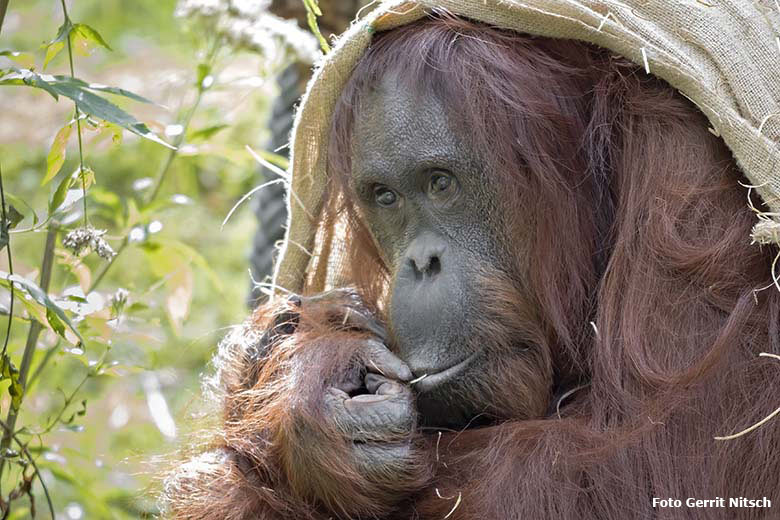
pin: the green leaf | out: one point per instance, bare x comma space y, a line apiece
87, 101
54, 47
312, 21
25, 59
104, 109
52, 50
55, 322
312, 12
184, 251
206, 133
55, 316
20, 202
57, 153
62, 190
99, 107
76, 82
84, 39
8, 372
13, 217
85, 177
311, 6
29, 78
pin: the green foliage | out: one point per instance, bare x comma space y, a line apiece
312, 12
119, 277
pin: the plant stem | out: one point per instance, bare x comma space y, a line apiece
32, 338
78, 122
10, 432
10, 264
175, 150
107, 265
68, 401
3, 8
185, 124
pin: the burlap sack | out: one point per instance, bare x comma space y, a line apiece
722, 54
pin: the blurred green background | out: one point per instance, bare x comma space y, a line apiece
102, 420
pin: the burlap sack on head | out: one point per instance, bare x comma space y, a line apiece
724, 55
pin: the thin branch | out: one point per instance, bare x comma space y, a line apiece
10, 261
32, 336
78, 122
67, 403
173, 152
107, 265
26, 452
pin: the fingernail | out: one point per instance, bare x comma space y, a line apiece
368, 398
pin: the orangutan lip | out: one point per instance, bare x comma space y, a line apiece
428, 382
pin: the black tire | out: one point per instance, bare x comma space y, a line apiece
270, 203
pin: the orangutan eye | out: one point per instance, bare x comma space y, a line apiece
441, 183
384, 196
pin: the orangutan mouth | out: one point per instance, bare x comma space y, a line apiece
427, 382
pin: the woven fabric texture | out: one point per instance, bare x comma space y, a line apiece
724, 55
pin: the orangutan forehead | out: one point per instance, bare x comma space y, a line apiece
399, 131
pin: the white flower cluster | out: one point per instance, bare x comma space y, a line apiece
205, 8
247, 24
88, 238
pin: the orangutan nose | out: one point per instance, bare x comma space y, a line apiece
424, 257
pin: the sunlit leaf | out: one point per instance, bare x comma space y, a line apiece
78, 83
25, 59
57, 153
311, 6
206, 133
52, 50
55, 46
104, 109
86, 177
179, 250
29, 78
87, 101
84, 39
55, 316
55, 322
106, 130
312, 12
8, 372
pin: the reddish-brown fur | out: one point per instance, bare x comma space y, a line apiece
635, 222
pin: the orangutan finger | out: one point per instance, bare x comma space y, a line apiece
379, 360
370, 417
381, 385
